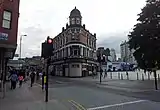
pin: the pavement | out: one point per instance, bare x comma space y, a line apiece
27, 98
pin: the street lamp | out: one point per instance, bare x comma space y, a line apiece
20, 47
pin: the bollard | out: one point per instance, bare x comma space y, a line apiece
121, 76
137, 77
142, 77
111, 75
148, 76
118, 75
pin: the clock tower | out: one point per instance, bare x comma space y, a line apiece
75, 17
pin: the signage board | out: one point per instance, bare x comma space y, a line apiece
3, 36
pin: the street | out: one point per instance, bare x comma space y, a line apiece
77, 94
95, 97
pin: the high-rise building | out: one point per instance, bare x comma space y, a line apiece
74, 49
126, 53
113, 55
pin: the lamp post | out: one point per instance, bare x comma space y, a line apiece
20, 47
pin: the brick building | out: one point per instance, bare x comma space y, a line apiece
9, 13
74, 49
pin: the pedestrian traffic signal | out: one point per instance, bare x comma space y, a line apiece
47, 48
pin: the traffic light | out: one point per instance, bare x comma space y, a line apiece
49, 40
104, 58
47, 48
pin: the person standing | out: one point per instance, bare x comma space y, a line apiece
32, 76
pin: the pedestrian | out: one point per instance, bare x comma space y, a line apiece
105, 73
14, 79
32, 76
20, 80
43, 74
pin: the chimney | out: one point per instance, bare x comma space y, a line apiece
84, 26
94, 34
67, 25
62, 29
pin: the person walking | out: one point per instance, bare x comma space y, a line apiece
105, 73
14, 79
20, 80
32, 76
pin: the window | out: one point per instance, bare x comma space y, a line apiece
73, 30
75, 66
77, 30
73, 21
6, 20
66, 39
84, 52
75, 52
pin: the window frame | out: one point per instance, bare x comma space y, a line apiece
6, 20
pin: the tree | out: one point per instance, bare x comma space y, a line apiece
107, 52
145, 37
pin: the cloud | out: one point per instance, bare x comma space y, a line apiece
110, 19
31, 44
112, 40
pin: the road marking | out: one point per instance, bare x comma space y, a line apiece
114, 105
38, 84
77, 105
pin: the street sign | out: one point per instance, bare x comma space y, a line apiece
3, 36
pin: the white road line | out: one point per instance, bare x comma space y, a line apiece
113, 105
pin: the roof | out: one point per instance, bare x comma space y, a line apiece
75, 13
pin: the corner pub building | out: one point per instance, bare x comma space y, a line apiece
74, 53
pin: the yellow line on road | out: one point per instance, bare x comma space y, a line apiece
77, 105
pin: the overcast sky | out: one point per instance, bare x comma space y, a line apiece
111, 20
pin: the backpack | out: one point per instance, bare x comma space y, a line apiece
14, 77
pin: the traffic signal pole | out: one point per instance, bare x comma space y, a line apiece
100, 78
46, 84
155, 81
47, 52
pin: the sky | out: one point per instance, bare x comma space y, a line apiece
111, 20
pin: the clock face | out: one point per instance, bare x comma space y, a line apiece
73, 20
77, 20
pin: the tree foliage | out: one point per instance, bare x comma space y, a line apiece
145, 36
107, 52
